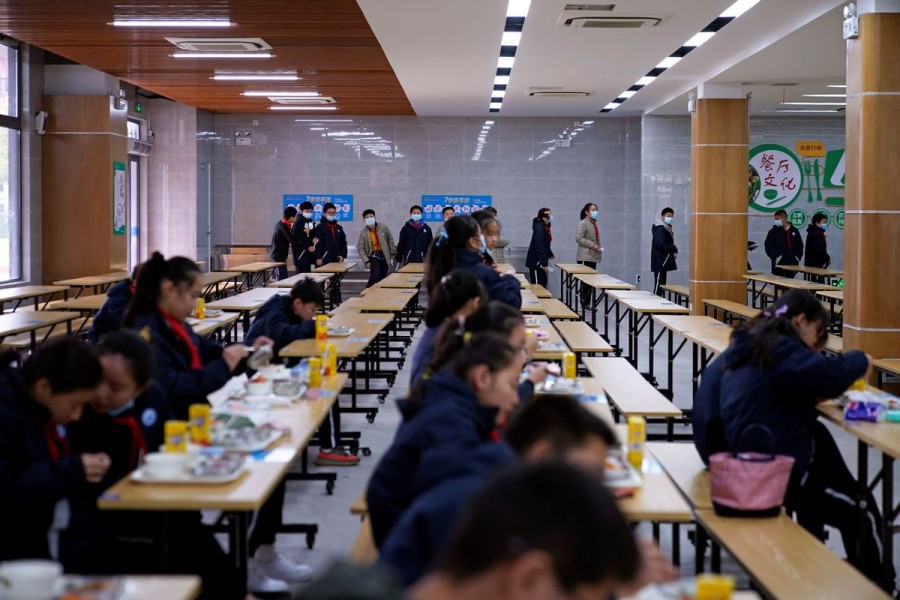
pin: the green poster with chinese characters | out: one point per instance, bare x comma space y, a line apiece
118, 204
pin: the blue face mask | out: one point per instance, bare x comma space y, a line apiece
416, 217
307, 215
594, 214
549, 218
823, 225
118, 411
668, 220
331, 218
370, 221
777, 222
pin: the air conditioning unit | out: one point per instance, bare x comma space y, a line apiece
219, 44
300, 101
140, 148
601, 19
556, 92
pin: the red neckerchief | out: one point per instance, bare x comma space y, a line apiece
596, 233
138, 445
131, 288
333, 228
56, 444
181, 333
415, 224
286, 222
787, 232
547, 229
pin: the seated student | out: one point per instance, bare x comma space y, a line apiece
776, 377
284, 319
457, 296
112, 313
125, 420
458, 408
460, 245
536, 531
188, 369
38, 472
415, 238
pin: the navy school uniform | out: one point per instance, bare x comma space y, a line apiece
448, 417
112, 313
816, 248
332, 241
37, 471
303, 257
281, 242
414, 242
663, 249
708, 428
276, 320
539, 252
784, 247
504, 288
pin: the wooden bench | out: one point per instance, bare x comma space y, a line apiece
582, 339
679, 294
364, 551
538, 290
834, 345
22, 341
555, 309
729, 309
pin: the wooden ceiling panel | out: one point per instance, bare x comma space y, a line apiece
327, 42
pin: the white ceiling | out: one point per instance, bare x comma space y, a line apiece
445, 53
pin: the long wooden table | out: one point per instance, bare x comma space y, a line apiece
413, 268
222, 326
247, 302
290, 281
552, 347
581, 339
890, 366
248, 493
99, 283
810, 272
567, 271
31, 321
215, 283
599, 285
339, 270
556, 310
148, 587
640, 311
86, 304
708, 337
779, 284
255, 272
21, 293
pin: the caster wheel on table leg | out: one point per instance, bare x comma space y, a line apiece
370, 417
367, 452
310, 540
329, 488
382, 398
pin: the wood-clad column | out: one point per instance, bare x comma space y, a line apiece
719, 144
872, 220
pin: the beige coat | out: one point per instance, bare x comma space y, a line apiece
586, 240
385, 238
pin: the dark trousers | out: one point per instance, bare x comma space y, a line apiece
378, 268
281, 273
330, 430
659, 280
586, 290
303, 268
268, 520
783, 273
828, 496
538, 275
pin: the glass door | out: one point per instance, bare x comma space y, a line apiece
134, 213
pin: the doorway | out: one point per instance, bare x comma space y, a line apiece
133, 215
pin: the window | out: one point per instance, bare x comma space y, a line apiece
10, 129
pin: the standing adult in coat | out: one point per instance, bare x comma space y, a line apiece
664, 250
539, 252
817, 245
784, 245
587, 236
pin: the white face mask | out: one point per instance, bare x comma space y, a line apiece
416, 217
778, 223
370, 221
668, 220
307, 215
594, 214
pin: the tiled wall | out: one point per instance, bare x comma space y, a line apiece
206, 155
515, 163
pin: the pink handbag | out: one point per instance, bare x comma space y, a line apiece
749, 484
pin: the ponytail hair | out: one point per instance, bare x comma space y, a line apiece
775, 322
178, 269
453, 291
441, 257
585, 211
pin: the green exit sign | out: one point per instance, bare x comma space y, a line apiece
138, 107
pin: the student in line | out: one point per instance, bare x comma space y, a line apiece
502, 242
39, 474
589, 253
490, 228
460, 245
536, 531
817, 245
284, 319
304, 246
376, 248
458, 409
663, 250
189, 368
537, 261
447, 213
112, 313
457, 296
415, 238
331, 244
784, 245
282, 242
775, 377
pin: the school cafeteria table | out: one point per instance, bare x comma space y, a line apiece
30, 292
99, 283
810, 272
531, 303
834, 297
31, 321
339, 270
255, 272
223, 326
582, 339
889, 366
386, 300
708, 337
779, 284
567, 281
612, 303
556, 310
86, 304
140, 587
216, 283
538, 290
290, 281
599, 284
249, 492
412, 268
551, 347
640, 311
246, 302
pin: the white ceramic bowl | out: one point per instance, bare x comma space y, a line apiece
259, 388
30, 579
275, 372
164, 465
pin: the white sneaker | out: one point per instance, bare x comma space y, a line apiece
259, 581
282, 569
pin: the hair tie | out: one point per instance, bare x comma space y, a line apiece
467, 337
461, 326
441, 237
781, 311
767, 314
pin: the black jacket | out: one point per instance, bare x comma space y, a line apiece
780, 250
448, 417
32, 480
181, 384
783, 397
281, 242
816, 248
706, 421
112, 313
539, 252
302, 241
663, 249
414, 242
332, 241
276, 320
504, 288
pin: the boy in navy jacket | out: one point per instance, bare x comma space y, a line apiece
415, 238
331, 244
303, 246
784, 245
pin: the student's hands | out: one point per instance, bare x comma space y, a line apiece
95, 466
366, 266
318, 262
537, 373
311, 248
340, 259
234, 354
655, 568
263, 341
531, 344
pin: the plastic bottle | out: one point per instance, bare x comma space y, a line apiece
637, 435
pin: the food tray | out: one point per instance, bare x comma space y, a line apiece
532, 322
561, 385
619, 474
340, 332
140, 476
245, 446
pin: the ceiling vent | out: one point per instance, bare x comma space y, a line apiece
607, 22
219, 44
301, 101
589, 7
140, 148
556, 92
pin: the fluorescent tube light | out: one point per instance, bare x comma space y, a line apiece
739, 8
668, 62
511, 38
505, 62
834, 85
814, 103
255, 77
496, 104
699, 39
798, 110
171, 23
611, 105
646, 80
501, 80
303, 108
824, 95
498, 93
518, 8
281, 94
627, 94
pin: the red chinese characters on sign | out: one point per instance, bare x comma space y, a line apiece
767, 161
788, 184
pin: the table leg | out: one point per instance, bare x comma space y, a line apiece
651, 346
862, 474
632, 338
695, 371
889, 514
700, 540
237, 543
670, 378
676, 544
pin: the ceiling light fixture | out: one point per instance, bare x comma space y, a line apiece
699, 39
301, 107
501, 80
627, 94
645, 80
799, 110
518, 8
516, 11
505, 62
496, 105
511, 38
255, 77
835, 85
611, 105
739, 8
222, 55
171, 23
814, 103
282, 94
669, 61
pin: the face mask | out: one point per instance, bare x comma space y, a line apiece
484, 247
777, 222
549, 218
594, 214
331, 218
370, 221
307, 215
823, 225
668, 220
416, 217
118, 411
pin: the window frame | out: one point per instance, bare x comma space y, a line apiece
16, 254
